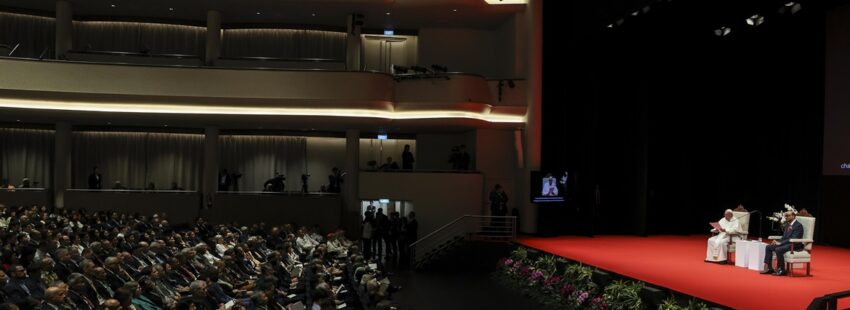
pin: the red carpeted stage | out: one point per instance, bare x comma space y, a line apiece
676, 262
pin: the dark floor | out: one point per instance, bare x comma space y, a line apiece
448, 291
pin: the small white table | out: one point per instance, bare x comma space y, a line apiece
742, 252
755, 255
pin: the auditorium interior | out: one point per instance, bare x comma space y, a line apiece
424, 154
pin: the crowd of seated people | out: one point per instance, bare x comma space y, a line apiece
77, 260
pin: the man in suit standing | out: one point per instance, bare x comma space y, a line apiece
94, 179
224, 181
793, 230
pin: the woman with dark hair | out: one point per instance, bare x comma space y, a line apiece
125, 298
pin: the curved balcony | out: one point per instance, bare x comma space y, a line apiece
75, 89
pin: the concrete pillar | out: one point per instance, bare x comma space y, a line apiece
213, 50
533, 120
353, 46
64, 28
351, 188
210, 175
61, 163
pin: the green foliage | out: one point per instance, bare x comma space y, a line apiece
672, 304
622, 294
579, 276
520, 254
546, 264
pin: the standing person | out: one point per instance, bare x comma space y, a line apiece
382, 224
465, 159
393, 230
94, 179
224, 181
366, 235
411, 234
498, 203
407, 158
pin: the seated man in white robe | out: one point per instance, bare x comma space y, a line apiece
549, 187
719, 244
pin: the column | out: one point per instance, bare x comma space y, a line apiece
210, 175
351, 188
533, 120
64, 28
353, 44
61, 163
213, 50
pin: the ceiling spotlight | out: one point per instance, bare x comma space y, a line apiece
791, 7
112, 5
620, 22
314, 14
722, 31
171, 9
454, 10
388, 13
635, 13
645, 9
610, 26
258, 13
755, 20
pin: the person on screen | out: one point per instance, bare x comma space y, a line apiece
550, 189
94, 179
718, 246
562, 182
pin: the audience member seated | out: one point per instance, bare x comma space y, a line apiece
76, 260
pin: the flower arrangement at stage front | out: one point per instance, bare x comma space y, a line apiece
779, 217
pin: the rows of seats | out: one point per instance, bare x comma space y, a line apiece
77, 260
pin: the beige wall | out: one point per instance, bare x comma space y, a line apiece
322, 155
491, 53
276, 209
497, 160
434, 149
180, 207
439, 197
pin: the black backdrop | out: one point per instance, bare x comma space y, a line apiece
674, 124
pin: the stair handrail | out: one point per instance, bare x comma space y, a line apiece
438, 230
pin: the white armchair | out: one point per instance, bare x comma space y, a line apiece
797, 255
744, 220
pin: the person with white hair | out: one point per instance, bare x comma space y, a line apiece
718, 245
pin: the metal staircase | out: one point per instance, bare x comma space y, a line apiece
500, 229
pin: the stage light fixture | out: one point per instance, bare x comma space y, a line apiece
755, 20
620, 22
646, 9
791, 7
722, 31
610, 26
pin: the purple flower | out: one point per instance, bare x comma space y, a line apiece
567, 289
582, 297
508, 262
552, 280
524, 271
597, 303
536, 275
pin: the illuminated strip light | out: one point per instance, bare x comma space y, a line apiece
219, 110
494, 2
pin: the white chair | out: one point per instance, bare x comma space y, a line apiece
797, 255
744, 220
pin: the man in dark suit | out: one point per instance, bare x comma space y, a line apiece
94, 179
21, 290
224, 181
793, 230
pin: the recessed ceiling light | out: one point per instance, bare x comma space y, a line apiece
454, 10
166, 125
109, 123
17, 120
171, 9
258, 13
388, 13
314, 14
112, 5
